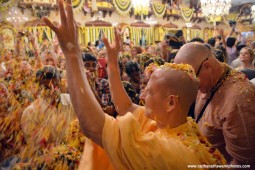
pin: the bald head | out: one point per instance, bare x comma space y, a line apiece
192, 53
174, 80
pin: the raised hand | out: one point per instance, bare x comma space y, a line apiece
67, 31
114, 48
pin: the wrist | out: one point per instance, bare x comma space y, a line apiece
112, 62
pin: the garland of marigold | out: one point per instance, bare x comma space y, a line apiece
91, 33
141, 10
159, 9
123, 7
187, 13
77, 5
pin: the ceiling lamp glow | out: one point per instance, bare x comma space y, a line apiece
141, 7
214, 8
253, 11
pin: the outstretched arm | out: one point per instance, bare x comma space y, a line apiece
38, 60
87, 109
121, 100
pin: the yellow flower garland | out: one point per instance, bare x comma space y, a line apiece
77, 5
141, 10
123, 7
159, 9
187, 13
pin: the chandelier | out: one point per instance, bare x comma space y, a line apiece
15, 17
141, 7
253, 11
214, 8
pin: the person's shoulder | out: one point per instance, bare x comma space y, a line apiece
139, 110
236, 63
253, 81
238, 85
32, 106
250, 73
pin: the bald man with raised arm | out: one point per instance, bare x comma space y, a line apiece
224, 109
175, 144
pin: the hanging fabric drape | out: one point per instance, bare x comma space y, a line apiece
196, 33
159, 33
208, 33
137, 32
92, 33
41, 30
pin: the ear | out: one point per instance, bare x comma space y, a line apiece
207, 66
173, 102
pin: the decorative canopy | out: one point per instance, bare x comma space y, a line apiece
170, 25
139, 24
98, 23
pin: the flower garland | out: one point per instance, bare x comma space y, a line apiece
123, 7
159, 9
213, 19
187, 13
77, 5
141, 10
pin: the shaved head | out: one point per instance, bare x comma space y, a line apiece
192, 53
177, 82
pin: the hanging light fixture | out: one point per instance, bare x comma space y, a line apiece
214, 8
141, 7
253, 11
15, 17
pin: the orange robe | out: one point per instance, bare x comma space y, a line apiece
133, 142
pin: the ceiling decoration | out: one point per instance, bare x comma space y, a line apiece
158, 9
123, 7
214, 8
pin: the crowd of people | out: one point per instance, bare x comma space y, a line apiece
121, 106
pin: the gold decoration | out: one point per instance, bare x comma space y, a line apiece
231, 16
213, 19
77, 5
141, 9
159, 9
123, 7
136, 33
92, 33
187, 13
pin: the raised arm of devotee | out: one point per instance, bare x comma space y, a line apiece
221, 33
87, 109
164, 50
38, 60
121, 100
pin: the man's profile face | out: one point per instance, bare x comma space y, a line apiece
153, 97
202, 73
